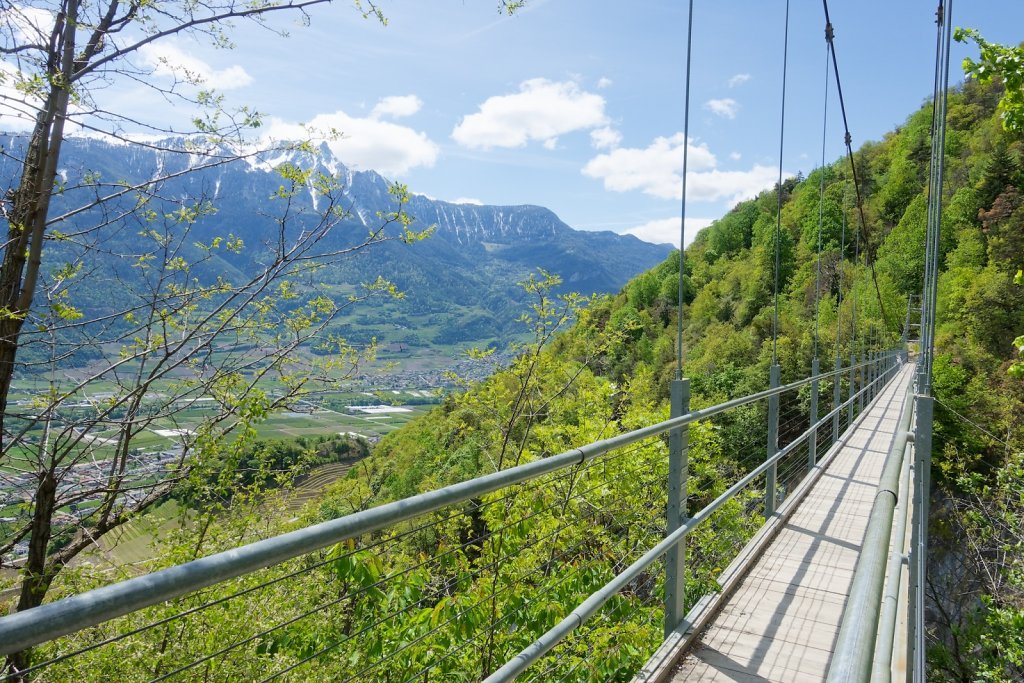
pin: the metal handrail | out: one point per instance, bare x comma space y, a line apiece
31, 627
592, 604
881, 668
854, 652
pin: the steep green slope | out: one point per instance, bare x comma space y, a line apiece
617, 360
479, 582
730, 271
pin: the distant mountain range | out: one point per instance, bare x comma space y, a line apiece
463, 278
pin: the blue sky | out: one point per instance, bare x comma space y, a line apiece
577, 105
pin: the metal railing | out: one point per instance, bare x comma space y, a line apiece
873, 375
868, 646
455, 582
854, 654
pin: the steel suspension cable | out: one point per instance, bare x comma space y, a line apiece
682, 207
848, 140
821, 204
853, 287
932, 175
778, 222
935, 228
839, 267
1002, 442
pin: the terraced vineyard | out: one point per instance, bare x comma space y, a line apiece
312, 485
132, 542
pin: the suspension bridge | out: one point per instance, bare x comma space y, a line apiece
807, 563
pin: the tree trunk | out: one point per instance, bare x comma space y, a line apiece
37, 576
19, 270
12, 268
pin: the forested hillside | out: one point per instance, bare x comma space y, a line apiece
601, 366
729, 303
618, 359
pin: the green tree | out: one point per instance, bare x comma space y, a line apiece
1005, 63
901, 255
1017, 368
186, 327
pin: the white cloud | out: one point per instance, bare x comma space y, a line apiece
739, 79
169, 61
541, 110
550, 143
17, 111
397, 106
364, 143
726, 107
603, 83
605, 138
468, 200
735, 156
654, 170
30, 24
666, 230
732, 186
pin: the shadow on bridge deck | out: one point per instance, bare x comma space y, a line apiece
782, 621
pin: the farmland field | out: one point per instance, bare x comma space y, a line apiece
403, 382
133, 543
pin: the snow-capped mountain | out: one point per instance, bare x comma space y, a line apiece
473, 259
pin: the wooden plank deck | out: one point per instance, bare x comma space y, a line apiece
782, 622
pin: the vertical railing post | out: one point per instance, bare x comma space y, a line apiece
876, 372
853, 389
866, 387
812, 441
863, 383
872, 373
837, 398
880, 368
775, 375
924, 410
678, 472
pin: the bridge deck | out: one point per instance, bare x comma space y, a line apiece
782, 622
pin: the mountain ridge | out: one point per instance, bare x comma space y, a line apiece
472, 261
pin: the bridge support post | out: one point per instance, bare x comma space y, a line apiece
863, 383
866, 388
881, 369
678, 472
879, 359
774, 378
925, 411
812, 440
837, 398
872, 375
853, 389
